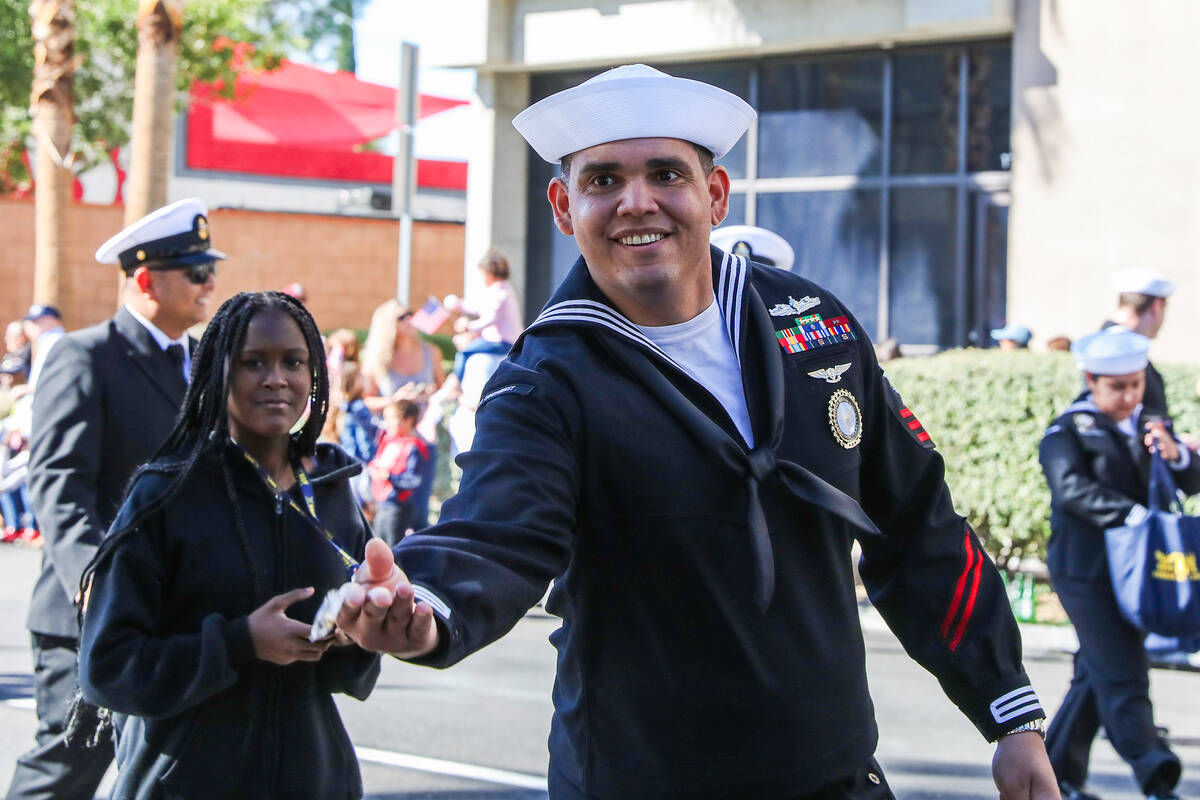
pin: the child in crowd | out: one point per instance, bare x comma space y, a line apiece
490, 319
402, 465
356, 430
340, 346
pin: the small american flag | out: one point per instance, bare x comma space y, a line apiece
429, 317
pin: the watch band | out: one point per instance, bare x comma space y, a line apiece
1036, 725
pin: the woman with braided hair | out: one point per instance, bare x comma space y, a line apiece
198, 604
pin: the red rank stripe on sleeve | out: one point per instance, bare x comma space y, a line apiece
971, 573
914, 425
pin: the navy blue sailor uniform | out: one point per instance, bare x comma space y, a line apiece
710, 643
1099, 477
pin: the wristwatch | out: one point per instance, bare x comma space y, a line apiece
1036, 725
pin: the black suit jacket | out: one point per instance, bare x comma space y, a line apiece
107, 398
1097, 475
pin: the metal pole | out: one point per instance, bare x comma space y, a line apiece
404, 168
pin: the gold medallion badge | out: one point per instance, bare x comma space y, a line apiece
202, 227
845, 419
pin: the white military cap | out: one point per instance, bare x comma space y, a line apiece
172, 235
1116, 350
634, 102
1142, 281
757, 244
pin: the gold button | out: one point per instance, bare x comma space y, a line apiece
141, 255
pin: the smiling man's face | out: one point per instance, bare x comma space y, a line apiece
641, 211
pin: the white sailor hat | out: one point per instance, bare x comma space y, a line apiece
756, 244
173, 235
1142, 281
1116, 350
634, 102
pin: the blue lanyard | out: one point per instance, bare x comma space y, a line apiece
309, 500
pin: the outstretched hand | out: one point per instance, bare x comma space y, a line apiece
1022, 769
379, 611
278, 638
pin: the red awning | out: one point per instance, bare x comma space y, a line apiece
302, 122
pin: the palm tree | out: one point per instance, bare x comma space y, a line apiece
159, 25
53, 103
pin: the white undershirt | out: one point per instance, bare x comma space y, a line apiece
702, 347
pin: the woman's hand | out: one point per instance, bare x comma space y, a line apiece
1157, 434
280, 639
417, 392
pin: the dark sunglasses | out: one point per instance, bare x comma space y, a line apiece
197, 273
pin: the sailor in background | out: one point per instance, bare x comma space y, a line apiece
106, 399
1096, 459
755, 244
1012, 337
1142, 307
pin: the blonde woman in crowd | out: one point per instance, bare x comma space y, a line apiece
396, 362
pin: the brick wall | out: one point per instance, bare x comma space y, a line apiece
347, 264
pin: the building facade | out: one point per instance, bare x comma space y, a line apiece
944, 166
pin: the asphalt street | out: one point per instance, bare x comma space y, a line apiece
478, 731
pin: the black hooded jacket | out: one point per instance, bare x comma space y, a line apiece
166, 642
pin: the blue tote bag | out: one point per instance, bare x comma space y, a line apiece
1153, 564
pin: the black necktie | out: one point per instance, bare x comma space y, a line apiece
175, 353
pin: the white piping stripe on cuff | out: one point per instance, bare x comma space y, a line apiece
1013, 713
426, 595
1014, 704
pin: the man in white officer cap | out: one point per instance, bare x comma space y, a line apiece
756, 244
1096, 460
106, 399
686, 443
1142, 307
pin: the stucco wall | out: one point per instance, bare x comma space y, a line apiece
548, 32
1106, 171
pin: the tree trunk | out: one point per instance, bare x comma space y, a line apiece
53, 102
159, 23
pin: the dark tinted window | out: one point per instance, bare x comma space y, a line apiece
989, 107
820, 117
925, 113
836, 239
923, 278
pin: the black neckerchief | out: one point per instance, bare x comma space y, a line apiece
578, 302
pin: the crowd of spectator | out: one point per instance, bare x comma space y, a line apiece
26, 343
388, 396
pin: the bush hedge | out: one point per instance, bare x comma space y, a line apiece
986, 411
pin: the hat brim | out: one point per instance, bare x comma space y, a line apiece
187, 259
634, 108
